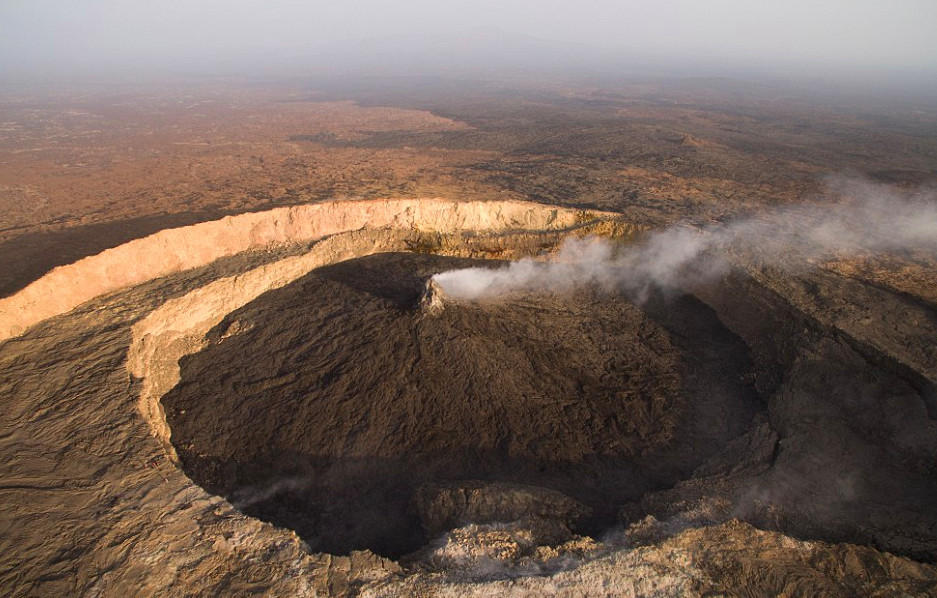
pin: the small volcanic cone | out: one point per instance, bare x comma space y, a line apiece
433, 300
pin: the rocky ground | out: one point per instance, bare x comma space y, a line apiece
297, 420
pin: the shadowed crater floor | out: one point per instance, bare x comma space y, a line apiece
326, 405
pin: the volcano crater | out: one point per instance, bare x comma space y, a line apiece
330, 405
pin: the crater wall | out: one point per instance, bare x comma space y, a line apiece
178, 328
178, 249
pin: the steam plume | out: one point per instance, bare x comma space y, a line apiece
853, 218
249, 496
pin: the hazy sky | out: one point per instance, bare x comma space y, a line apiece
53, 36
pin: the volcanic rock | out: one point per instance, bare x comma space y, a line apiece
295, 399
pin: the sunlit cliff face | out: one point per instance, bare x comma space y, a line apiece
188, 247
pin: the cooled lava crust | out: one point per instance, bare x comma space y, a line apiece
325, 406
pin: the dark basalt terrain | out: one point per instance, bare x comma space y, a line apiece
339, 400
343, 398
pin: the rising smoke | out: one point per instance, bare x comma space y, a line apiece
252, 495
854, 218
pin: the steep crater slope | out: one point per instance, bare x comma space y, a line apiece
848, 451
842, 447
326, 406
174, 250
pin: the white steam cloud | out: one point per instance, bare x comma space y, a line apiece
854, 218
251, 495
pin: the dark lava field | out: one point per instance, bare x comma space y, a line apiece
346, 398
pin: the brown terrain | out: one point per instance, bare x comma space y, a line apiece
271, 397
